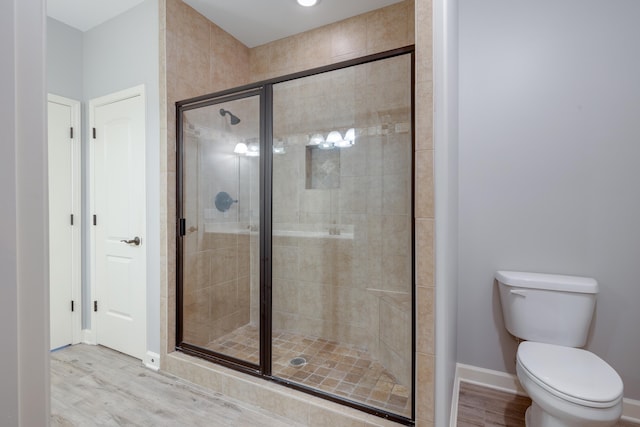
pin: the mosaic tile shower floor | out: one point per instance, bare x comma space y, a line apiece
330, 366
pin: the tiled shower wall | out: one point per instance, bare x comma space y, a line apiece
352, 287
216, 274
424, 216
197, 57
216, 297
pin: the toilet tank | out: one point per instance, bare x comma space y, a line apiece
547, 308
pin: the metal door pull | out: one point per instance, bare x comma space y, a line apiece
135, 241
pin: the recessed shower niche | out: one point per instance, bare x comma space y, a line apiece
322, 168
295, 248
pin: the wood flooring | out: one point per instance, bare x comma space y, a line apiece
96, 386
485, 407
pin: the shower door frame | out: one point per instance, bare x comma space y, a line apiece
192, 104
265, 90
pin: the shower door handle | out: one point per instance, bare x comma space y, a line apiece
135, 241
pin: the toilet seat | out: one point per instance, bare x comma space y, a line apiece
572, 374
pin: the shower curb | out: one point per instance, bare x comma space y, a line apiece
294, 405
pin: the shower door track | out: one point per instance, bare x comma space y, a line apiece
263, 369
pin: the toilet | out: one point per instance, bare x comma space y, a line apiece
568, 386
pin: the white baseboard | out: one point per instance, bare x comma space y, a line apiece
88, 337
152, 360
631, 410
509, 383
488, 378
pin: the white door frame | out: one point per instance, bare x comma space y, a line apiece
76, 210
97, 102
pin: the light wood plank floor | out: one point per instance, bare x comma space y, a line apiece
484, 407
96, 386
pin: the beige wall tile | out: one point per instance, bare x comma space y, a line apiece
424, 423
349, 38
223, 265
388, 28
425, 320
286, 294
313, 49
319, 417
424, 45
259, 62
224, 300
396, 194
228, 60
285, 262
397, 232
424, 115
373, 32
424, 202
293, 408
194, 28
424, 387
395, 336
424, 252
396, 272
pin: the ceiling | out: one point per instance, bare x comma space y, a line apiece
86, 14
253, 22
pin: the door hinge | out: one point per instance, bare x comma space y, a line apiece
94, 133
71, 219
95, 220
95, 306
71, 132
72, 306
182, 227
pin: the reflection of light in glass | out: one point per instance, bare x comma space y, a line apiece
253, 149
316, 139
334, 137
279, 147
307, 3
338, 141
326, 145
241, 148
350, 136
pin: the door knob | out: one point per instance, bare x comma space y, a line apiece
135, 241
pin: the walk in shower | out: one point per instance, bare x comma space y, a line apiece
295, 248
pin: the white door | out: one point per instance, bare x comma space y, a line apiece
64, 220
118, 197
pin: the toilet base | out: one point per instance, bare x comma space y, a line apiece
536, 417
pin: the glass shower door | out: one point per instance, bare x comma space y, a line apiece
341, 241
220, 245
295, 253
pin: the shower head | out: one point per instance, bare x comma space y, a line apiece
234, 119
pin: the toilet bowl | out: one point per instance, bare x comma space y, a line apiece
569, 387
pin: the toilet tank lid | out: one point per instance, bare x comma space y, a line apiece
552, 282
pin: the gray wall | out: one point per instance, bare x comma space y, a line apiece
118, 54
549, 176
64, 60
